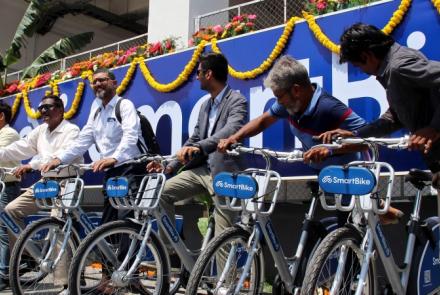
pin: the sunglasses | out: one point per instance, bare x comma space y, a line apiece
100, 80
47, 107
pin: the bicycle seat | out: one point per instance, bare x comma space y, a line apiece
416, 175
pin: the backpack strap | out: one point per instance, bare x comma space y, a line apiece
118, 110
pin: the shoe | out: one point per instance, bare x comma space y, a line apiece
393, 216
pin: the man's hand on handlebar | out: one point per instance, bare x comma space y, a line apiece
316, 155
187, 153
224, 144
423, 139
50, 165
20, 171
156, 167
327, 137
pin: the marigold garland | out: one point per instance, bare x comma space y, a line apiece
124, 83
322, 38
16, 104
27, 106
436, 4
76, 101
267, 63
397, 17
181, 78
395, 20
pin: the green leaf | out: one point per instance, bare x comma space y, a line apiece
26, 28
64, 47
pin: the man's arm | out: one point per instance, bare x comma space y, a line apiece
252, 128
22, 149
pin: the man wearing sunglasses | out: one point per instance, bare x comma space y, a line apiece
43, 143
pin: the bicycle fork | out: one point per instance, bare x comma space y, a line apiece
120, 277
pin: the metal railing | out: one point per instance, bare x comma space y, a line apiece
67, 62
269, 13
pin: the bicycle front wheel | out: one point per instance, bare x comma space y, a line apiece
42, 274
95, 268
221, 265
324, 266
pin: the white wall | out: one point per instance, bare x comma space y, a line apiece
176, 17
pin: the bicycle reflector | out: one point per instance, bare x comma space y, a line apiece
347, 181
117, 187
46, 189
241, 186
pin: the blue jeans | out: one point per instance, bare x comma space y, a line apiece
12, 190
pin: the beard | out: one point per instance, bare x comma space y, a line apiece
100, 93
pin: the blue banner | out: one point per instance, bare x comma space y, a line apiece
173, 114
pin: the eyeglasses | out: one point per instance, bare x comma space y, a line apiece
46, 107
100, 80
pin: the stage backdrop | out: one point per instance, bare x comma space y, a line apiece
173, 114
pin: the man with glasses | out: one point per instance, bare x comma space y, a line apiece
310, 111
220, 116
117, 142
12, 188
42, 143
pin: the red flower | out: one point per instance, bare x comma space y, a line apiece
11, 89
155, 48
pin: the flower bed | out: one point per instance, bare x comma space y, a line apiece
104, 60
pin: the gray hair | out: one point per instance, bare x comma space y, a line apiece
286, 72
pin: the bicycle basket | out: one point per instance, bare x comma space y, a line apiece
150, 191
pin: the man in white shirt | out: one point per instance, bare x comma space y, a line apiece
43, 143
116, 141
12, 188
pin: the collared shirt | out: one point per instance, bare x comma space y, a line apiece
113, 139
7, 136
42, 144
214, 109
323, 113
412, 84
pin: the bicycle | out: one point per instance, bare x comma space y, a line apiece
233, 262
144, 265
344, 262
54, 237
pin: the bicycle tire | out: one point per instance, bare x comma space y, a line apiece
22, 265
315, 281
85, 269
234, 234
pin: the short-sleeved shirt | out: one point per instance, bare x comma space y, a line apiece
323, 113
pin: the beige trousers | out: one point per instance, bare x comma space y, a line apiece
24, 205
189, 184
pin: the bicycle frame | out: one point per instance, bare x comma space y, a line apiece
260, 223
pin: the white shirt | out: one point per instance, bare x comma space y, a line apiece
43, 144
214, 109
7, 136
113, 139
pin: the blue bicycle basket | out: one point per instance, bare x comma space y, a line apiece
347, 181
117, 187
46, 189
241, 186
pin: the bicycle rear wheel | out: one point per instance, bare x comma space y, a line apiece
219, 267
94, 268
323, 266
35, 275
